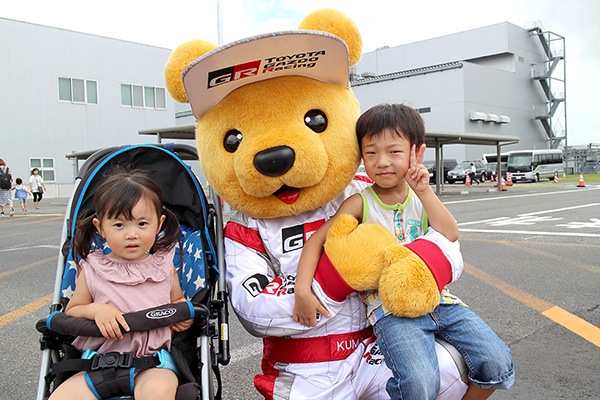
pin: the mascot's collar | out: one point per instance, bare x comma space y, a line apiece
314, 54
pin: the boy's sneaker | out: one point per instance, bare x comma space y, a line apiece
25, 212
1, 214
12, 212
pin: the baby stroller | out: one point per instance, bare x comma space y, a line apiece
198, 260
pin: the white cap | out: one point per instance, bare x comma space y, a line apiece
314, 54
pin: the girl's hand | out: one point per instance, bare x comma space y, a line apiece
306, 309
183, 325
417, 175
109, 320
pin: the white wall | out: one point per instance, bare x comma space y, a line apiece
33, 123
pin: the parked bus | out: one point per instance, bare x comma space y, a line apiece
491, 165
533, 165
493, 158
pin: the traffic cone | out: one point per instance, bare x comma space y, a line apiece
564, 175
556, 177
581, 183
468, 181
509, 181
503, 186
494, 180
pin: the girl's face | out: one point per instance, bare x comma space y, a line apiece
386, 158
131, 239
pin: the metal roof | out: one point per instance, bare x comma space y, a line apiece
433, 139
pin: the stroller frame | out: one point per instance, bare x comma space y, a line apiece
216, 326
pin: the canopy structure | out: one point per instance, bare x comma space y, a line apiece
437, 139
433, 139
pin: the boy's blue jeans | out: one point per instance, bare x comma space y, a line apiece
408, 345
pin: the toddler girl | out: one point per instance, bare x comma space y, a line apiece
21, 193
136, 275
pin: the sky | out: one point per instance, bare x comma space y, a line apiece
381, 23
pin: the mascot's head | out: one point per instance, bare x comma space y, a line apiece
275, 114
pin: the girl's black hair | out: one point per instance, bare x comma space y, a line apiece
19, 181
400, 118
117, 196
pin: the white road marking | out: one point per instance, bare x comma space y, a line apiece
45, 246
531, 232
531, 218
522, 195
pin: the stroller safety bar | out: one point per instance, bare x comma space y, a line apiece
144, 320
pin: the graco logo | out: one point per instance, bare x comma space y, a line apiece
160, 314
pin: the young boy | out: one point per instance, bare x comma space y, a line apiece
391, 138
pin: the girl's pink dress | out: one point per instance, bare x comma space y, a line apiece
129, 286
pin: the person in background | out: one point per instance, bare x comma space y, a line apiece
21, 194
472, 174
5, 198
36, 184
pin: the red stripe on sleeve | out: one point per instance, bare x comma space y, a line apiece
331, 281
435, 259
245, 236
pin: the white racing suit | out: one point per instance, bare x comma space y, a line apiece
336, 359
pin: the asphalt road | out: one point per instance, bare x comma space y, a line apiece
532, 273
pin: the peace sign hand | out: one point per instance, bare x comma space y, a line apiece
417, 175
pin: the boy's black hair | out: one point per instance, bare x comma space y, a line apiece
400, 118
117, 196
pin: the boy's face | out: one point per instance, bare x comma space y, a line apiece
386, 158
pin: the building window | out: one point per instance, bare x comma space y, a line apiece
75, 90
46, 167
138, 96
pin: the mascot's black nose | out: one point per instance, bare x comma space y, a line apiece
275, 161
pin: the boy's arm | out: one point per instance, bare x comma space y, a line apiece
439, 216
306, 304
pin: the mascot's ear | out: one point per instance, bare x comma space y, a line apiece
333, 21
183, 55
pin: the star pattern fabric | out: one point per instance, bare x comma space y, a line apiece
189, 263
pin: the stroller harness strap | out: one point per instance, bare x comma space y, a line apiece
112, 374
313, 349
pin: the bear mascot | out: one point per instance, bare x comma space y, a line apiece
276, 140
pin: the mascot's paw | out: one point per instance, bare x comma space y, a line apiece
357, 251
407, 286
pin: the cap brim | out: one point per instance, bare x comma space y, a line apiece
314, 54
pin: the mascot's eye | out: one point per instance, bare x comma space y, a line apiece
316, 120
232, 140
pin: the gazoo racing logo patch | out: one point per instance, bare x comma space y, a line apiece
161, 313
255, 284
268, 65
300, 60
233, 73
280, 287
294, 237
